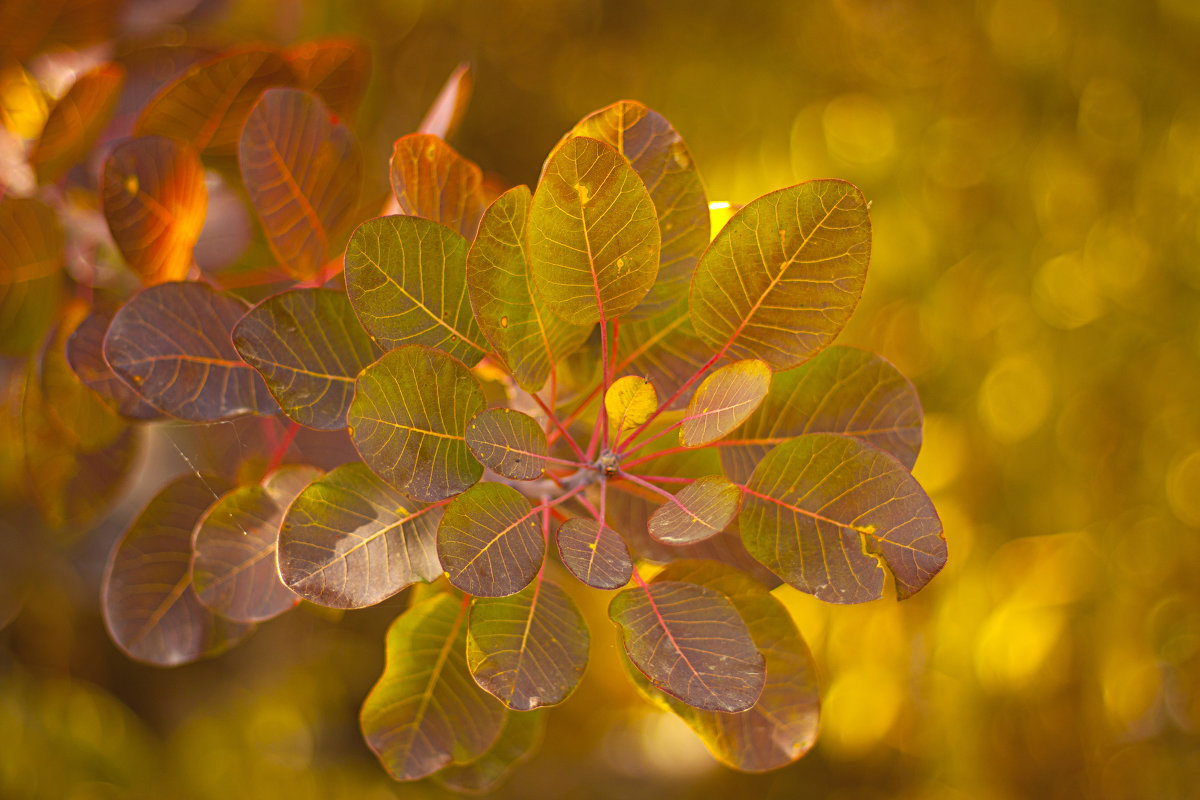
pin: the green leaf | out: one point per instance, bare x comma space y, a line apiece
309, 348
31, 267
234, 570
490, 542
782, 725
171, 344
508, 442
335, 68
629, 402
699, 511
350, 541
303, 175
842, 390
723, 401
76, 121
783, 276
530, 649
433, 181
593, 236
519, 739
596, 555
408, 419
511, 315
407, 280
689, 642
426, 711
85, 354
826, 513
149, 605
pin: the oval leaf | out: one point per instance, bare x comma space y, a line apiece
336, 69
699, 511
154, 200
593, 235
407, 280
85, 354
596, 555
350, 541
431, 180
303, 175
408, 419
689, 641
309, 348
31, 265
489, 541
665, 349
528, 650
75, 122
150, 607
630, 401
826, 513
426, 711
723, 401
508, 442
520, 737
783, 276
842, 390
171, 344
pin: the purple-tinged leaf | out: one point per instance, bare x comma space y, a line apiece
665, 349
519, 739
85, 354
489, 541
336, 69
76, 121
723, 401
596, 555
508, 442
699, 511
431, 180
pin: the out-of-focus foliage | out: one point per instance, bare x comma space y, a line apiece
1034, 173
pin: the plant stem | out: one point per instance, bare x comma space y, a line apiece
281, 448
667, 404
549, 412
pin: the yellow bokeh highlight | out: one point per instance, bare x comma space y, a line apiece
1130, 683
1014, 647
943, 452
1014, 398
859, 130
859, 710
1183, 489
1066, 294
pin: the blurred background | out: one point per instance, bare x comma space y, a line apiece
1034, 170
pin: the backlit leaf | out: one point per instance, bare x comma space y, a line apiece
529, 649
171, 343
85, 354
699, 511
431, 180
489, 541
151, 610
783, 276
508, 442
842, 390
408, 419
447, 109
82, 418
31, 263
511, 315
407, 280
665, 349
596, 555
75, 122
519, 738
234, 571
336, 69
154, 200
426, 710
723, 401
629, 402
303, 175
826, 513
350, 541
309, 348
689, 642
593, 236
208, 105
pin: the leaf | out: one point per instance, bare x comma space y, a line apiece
842, 390
723, 401
154, 200
783, 276
431, 180
699, 511
826, 513
426, 711
76, 121
85, 355
508, 442
782, 725
519, 738
31, 265
335, 68
490, 542
350, 541
664, 349
593, 237
171, 344
407, 280
512, 317
207, 106
596, 555
303, 175
530, 649
309, 348
446, 111
234, 570
150, 608
629, 402
689, 642
82, 419
659, 156
408, 419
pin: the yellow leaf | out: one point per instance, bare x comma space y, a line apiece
630, 401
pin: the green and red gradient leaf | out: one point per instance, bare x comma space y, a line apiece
508, 442
336, 69
426, 711
76, 121
595, 554
519, 739
85, 354
699, 511
431, 180
171, 344
828, 513
489, 541
154, 200
31, 272
723, 401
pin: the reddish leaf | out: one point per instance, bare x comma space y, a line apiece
446, 111
596, 556
489, 541
75, 122
665, 349
723, 401
336, 68
85, 354
431, 180
519, 739
31, 262
699, 511
28, 27
508, 442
